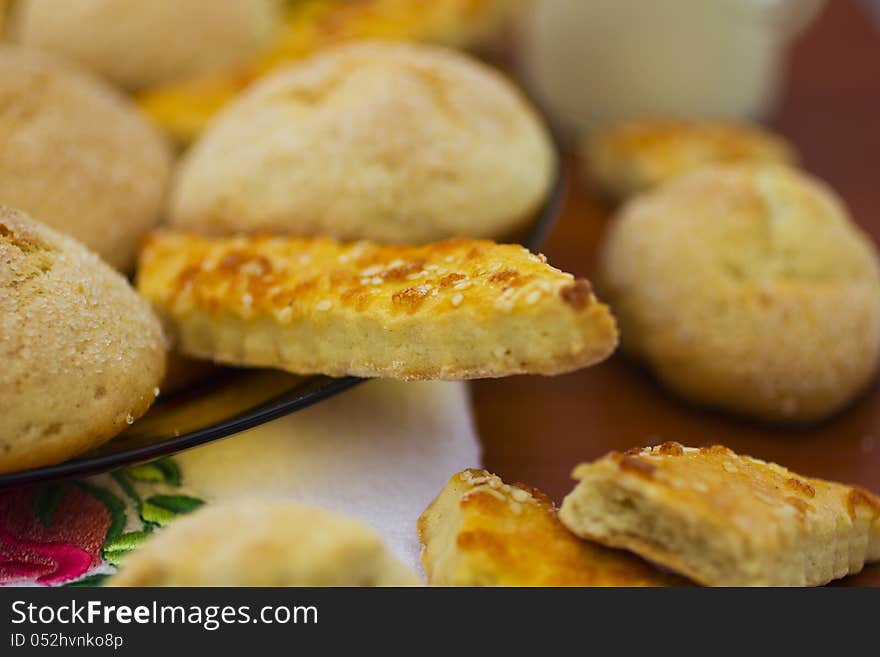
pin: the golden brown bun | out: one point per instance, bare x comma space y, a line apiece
389, 142
78, 156
140, 44
635, 156
723, 519
456, 309
747, 288
261, 542
82, 354
483, 532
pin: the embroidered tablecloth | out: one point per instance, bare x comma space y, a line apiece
379, 452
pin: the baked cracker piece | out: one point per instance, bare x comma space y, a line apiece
483, 532
457, 309
723, 519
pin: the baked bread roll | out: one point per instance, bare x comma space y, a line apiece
82, 354
749, 289
78, 156
262, 542
458, 309
723, 519
389, 142
634, 156
483, 532
140, 44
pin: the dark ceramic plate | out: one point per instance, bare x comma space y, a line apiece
227, 403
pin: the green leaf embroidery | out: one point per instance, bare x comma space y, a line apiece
161, 471
161, 509
46, 502
115, 507
114, 551
88, 581
126, 486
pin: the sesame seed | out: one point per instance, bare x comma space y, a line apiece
456, 300
323, 305
462, 285
377, 280
372, 271
519, 495
533, 297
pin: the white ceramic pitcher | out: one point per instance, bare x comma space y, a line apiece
593, 61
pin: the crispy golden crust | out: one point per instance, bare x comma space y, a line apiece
482, 532
634, 156
456, 309
723, 519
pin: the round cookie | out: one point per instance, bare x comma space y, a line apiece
261, 542
141, 44
82, 353
78, 156
374, 140
634, 156
747, 288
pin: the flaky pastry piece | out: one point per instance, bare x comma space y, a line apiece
483, 532
723, 519
456, 309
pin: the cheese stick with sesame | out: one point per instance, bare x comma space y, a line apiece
457, 309
481, 531
723, 519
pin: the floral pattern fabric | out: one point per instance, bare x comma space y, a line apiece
77, 532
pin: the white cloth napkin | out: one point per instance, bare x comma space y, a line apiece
379, 452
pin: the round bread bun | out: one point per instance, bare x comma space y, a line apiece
633, 156
76, 155
262, 542
373, 140
82, 353
747, 288
141, 44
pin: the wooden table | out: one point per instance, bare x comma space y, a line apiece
535, 429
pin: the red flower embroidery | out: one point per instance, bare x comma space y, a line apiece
44, 563
50, 550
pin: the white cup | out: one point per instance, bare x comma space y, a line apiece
595, 61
